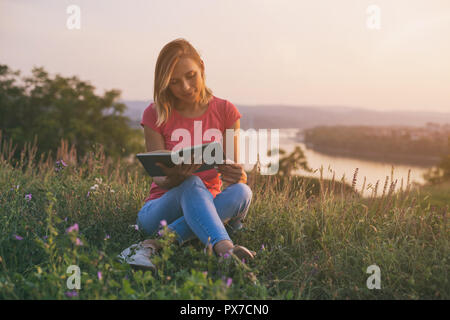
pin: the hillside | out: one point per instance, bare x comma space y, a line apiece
302, 117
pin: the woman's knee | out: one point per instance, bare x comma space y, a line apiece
192, 180
244, 190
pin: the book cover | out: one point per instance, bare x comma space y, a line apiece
205, 154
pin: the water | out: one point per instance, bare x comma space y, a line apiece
372, 170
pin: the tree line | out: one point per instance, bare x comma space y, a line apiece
46, 109
383, 141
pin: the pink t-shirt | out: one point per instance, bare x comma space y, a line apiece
220, 115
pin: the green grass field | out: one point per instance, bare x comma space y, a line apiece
314, 239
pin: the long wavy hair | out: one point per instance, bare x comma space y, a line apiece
170, 54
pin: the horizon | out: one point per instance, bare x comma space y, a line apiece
320, 54
310, 106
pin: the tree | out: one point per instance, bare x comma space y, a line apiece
441, 173
55, 108
292, 162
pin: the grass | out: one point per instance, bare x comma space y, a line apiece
314, 239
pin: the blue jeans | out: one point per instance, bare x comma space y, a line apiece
190, 210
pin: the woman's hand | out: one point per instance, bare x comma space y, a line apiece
175, 175
232, 173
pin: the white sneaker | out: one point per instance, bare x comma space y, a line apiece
138, 255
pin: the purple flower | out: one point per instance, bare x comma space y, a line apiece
78, 242
71, 294
87, 196
99, 275
243, 260
262, 247
72, 228
163, 223
44, 237
63, 163
28, 197
65, 219
136, 227
107, 237
205, 273
229, 282
18, 237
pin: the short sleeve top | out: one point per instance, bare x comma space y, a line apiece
210, 126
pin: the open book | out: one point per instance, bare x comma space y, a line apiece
208, 154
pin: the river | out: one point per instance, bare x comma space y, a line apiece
372, 170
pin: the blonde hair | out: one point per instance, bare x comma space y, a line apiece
170, 54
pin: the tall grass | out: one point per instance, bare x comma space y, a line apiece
314, 238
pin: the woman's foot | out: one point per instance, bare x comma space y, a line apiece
138, 255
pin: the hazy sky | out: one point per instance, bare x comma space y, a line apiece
255, 51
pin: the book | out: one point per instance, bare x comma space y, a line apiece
204, 154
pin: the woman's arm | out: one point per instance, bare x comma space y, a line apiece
155, 141
175, 175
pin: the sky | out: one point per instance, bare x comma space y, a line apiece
256, 52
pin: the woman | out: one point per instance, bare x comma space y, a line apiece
192, 204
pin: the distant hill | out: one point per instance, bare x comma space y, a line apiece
302, 117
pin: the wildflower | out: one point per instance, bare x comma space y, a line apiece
226, 255
262, 247
60, 164
99, 275
112, 191
44, 237
205, 273
71, 294
229, 282
99, 180
72, 228
87, 196
78, 242
107, 237
163, 223
65, 219
243, 260
18, 237
136, 227
94, 187
28, 197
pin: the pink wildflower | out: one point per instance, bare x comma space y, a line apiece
18, 237
72, 228
71, 294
